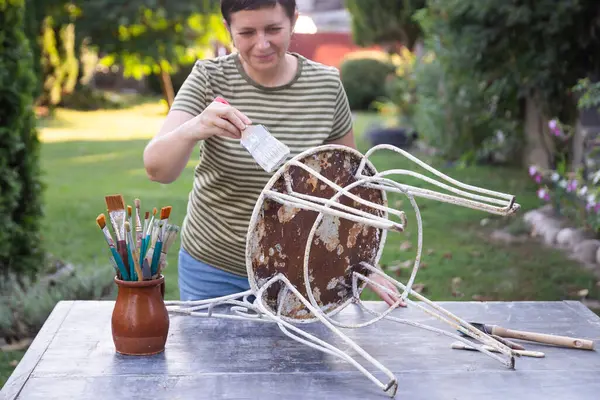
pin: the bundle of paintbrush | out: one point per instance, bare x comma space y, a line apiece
139, 251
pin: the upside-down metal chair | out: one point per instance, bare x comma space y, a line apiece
314, 242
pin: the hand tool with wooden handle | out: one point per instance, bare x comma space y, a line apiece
526, 353
562, 341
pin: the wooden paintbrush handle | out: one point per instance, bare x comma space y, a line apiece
562, 341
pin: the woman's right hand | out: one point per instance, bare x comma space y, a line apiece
220, 119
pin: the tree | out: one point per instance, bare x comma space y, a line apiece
151, 36
55, 48
386, 22
20, 187
541, 49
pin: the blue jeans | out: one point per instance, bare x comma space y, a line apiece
200, 281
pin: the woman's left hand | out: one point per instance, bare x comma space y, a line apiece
388, 298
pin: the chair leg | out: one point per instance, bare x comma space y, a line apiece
316, 343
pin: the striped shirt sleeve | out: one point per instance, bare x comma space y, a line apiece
342, 118
191, 97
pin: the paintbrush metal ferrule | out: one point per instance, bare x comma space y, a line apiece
121, 241
138, 224
160, 231
116, 258
156, 230
132, 243
138, 221
116, 222
151, 223
108, 237
145, 227
136, 273
148, 259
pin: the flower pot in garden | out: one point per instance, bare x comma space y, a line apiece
140, 321
400, 137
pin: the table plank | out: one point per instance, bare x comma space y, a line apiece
505, 385
34, 353
74, 357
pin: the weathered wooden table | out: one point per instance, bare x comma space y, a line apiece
73, 357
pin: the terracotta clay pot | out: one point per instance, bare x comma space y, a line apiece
140, 321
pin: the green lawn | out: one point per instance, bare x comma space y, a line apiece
86, 156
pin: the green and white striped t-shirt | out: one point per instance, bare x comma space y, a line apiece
308, 111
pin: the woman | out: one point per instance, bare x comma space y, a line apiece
301, 102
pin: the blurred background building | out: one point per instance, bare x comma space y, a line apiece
323, 32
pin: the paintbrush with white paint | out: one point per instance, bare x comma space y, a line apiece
266, 150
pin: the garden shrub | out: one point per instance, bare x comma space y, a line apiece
364, 81
400, 89
20, 186
464, 115
85, 98
26, 304
561, 46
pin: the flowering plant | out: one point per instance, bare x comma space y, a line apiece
569, 192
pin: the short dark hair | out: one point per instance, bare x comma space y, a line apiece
230, 6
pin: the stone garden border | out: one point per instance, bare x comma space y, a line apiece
557, 233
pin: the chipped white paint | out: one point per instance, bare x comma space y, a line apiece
329, 232
278, 249
286, 213
317, 296
353, 235
314, 164
333, 283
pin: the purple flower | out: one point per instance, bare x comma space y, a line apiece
597, 208
543, 194
538, 179
572, 186
532, 170
554, 128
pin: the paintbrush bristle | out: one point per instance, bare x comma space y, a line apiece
147, 215
165, 212
137, 203
268, 152
101, 221
154, 211
115, 202
127, 226
129, 211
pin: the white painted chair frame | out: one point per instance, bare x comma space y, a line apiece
242, 309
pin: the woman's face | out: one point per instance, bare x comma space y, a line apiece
262, 36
